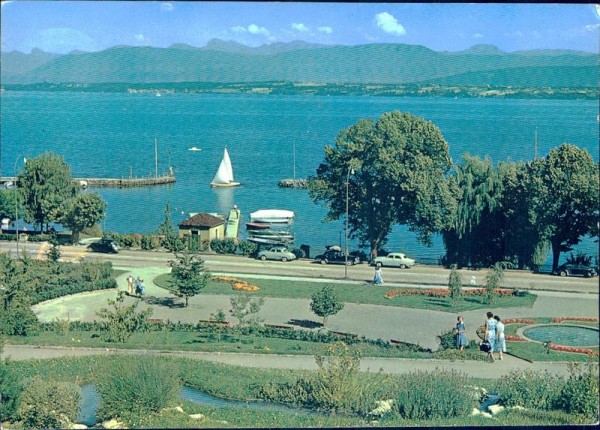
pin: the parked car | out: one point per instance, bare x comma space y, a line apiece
394, 259
572, 269
279, 253
105, 244
333, 256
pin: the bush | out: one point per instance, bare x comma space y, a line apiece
10, 391
580, 393
530, 389
49, 404
18, 319
223, 246
247, 248
437, 394
136, 386
150, 242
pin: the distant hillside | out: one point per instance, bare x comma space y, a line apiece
222, 61
18, 63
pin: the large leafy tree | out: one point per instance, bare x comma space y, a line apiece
83, 211
46, 185
8, 200
395, 169
189, 276
564, 197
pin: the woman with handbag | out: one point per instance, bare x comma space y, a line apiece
490, 334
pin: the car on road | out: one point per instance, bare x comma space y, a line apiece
279, 253
573, 269
335, 256
394, 259
106, 245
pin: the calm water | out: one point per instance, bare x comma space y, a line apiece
109, 135
564, 335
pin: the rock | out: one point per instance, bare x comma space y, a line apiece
519, 408
113, 424
486, 414
178, 409
197, 416
495, 409
475, 412
78, 427
383, 407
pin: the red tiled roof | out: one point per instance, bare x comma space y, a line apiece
202, 220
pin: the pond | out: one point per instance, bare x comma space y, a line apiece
91, 401
567, 335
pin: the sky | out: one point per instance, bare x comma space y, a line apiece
64, 26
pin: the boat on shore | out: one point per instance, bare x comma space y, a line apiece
224, 175
272, 216
257, 226
271, 234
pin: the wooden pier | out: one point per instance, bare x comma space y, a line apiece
110, 182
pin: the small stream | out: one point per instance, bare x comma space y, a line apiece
91, 401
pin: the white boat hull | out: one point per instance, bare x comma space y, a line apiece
272, 216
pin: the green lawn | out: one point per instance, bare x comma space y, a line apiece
353, 293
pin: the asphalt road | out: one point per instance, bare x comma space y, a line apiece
305, 268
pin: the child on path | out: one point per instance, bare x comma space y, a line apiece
378, 278
461, 334
130, 289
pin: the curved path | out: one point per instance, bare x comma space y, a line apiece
416, 326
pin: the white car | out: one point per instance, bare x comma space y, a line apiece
395, 259
276, 253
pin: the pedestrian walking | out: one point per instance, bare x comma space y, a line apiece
378, 278
490, 334
461, 334
500, 341
142, 287
130, 286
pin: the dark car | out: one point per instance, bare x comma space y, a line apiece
572, 269
337, 257
105, 245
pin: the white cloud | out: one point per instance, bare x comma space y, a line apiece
326, 30
166, 7
298, 26
592, 27
477, 35
389, 24
239, 29
255, 29
139, 37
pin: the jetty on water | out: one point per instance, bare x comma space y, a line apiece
293, 183
8, 181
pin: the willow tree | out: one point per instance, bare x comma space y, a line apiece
395, 172
475, 236
564, 197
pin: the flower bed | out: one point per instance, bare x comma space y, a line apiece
518, 321
561, 319
513, 338
563, 348
442, 292
238, 284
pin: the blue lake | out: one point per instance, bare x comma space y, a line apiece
112, 134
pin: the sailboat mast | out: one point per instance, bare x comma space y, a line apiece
155, 158
535, 145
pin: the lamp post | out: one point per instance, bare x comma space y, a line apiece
350, 171
17, 199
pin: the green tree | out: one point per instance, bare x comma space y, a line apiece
166, 229
455, 284
564, 197
122, 321
10, 388
493, 280
395, 169
188, 274
82, 212
46, 186
325, 303
8, 198
246, 309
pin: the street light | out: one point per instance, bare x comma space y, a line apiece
17, 199
350, 171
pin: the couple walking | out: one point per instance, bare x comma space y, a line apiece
494, 334
135, 286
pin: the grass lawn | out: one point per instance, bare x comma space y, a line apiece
353, 293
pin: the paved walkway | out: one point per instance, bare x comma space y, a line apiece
416, 326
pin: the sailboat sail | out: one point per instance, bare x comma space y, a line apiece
224, 175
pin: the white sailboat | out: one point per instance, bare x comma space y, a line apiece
224, 175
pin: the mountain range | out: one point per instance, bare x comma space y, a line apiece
227, 61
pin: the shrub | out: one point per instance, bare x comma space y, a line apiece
136, 386
455, 284
247, 248
530, 389
325, 303
223, 246
123, 320
437, 394
150, 242
580, 392
49, 404
10, 391
246, 309
17, 319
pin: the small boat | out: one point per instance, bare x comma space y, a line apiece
271, 234
224, 175
233, 223
272, 216
256, 226
194, 148
270, 241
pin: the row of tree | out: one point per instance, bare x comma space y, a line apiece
397, 170
46, 193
